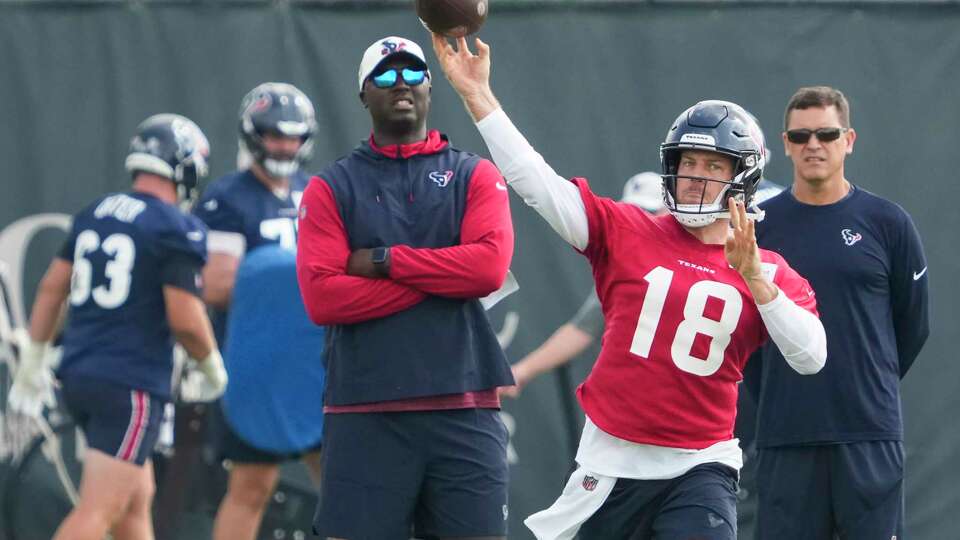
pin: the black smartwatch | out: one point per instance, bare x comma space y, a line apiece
380, 257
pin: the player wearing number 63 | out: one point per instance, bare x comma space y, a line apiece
130, 269
686, 296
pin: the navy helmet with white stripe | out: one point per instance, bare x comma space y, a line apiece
716, 126
171, 146
280, 109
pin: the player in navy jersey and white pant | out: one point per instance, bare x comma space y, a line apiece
130, 269
253, 207
685, 300
831, 452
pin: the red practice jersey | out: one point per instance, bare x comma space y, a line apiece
680, 325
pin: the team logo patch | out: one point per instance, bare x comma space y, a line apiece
441, 178
849, 237
262, 103
390, 47
589, 483
303, 211
211, 205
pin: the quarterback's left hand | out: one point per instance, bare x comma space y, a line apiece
33, 384
744, 256
741, 247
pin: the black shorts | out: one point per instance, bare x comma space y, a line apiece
699, 505
234, 448
811, 492
117, 420
430, 474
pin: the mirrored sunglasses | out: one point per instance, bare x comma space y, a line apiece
387, 79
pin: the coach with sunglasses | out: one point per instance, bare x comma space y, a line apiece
831, 446
399, 241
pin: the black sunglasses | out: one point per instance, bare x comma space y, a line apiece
826, 134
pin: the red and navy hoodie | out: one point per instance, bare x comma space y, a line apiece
421, 337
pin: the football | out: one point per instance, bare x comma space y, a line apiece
452, 18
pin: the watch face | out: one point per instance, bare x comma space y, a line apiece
379, 255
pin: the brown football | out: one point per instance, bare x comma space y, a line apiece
452, 18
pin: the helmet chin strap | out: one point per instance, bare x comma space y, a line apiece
702, 220
753, 213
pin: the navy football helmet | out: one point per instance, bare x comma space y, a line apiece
715, 126
283, 110
171, 146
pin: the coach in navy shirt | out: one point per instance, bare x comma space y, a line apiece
831, 450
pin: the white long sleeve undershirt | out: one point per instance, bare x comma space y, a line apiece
551, 195
798, 334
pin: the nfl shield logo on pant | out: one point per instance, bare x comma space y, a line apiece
589, 483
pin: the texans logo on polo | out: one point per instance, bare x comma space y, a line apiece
392, 47
590, 483
441, 178
849, 237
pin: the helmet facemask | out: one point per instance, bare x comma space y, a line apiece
277, 166
187, 176
747, 171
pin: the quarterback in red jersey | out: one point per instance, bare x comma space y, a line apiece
686, 296
676, 306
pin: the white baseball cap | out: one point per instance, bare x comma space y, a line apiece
382, 49
644, 190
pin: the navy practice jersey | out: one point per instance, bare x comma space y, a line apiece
864, 259
239, 204
124, 248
